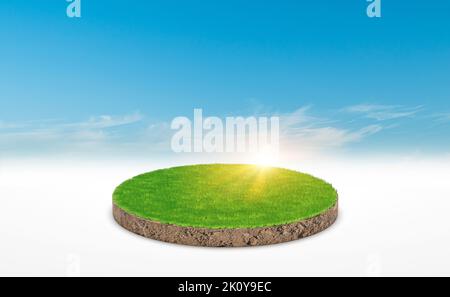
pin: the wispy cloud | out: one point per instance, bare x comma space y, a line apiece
58, 134
106, 121
301, 128
301, 117
383, 112
442, 117
7, 126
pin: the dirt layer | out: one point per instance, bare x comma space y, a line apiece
225, 237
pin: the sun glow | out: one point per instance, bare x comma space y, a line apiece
266, 159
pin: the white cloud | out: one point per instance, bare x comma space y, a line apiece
442, 117
106, 121
335, 137
52, 134
300, 117
300, 128
383, 112
5, 126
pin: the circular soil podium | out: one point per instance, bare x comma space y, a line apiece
225, 205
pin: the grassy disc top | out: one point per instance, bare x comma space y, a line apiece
225, 196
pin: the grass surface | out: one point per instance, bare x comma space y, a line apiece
225, 196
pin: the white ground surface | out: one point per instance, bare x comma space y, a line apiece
56, 221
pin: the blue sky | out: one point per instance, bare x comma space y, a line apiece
129, 67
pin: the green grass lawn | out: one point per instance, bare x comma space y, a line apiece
225, 196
